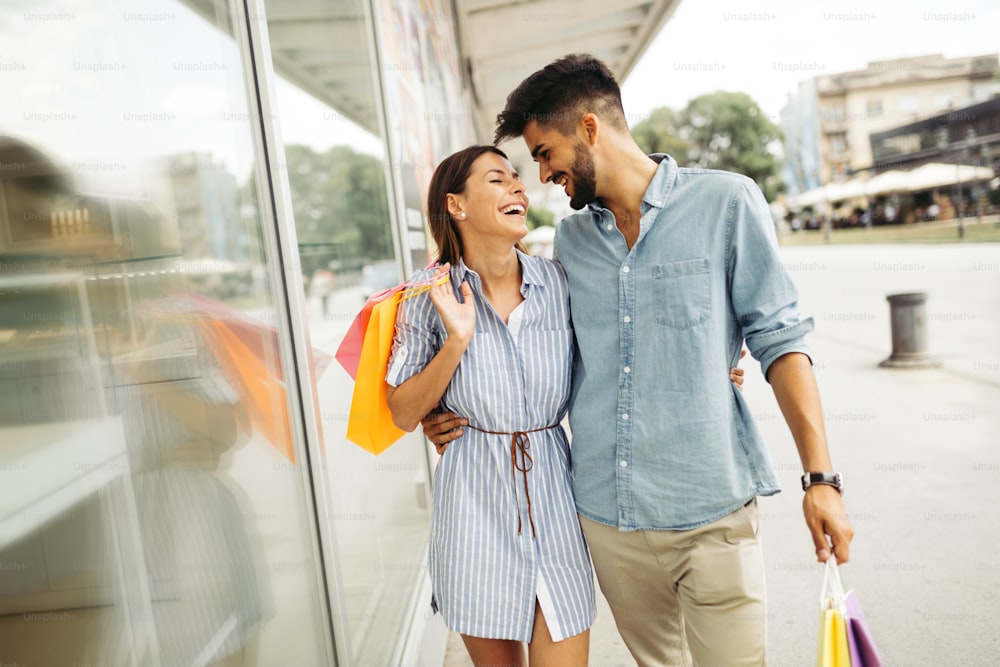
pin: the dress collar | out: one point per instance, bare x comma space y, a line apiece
531, 273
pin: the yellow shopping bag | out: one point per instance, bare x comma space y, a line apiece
369, 423
834, 650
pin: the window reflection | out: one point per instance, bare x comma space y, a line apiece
153, 509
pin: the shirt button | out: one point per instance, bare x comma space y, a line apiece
625, 416
627, 369
623, 464
627, 319
626, 269
610, 227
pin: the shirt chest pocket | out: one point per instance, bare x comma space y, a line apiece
682, 293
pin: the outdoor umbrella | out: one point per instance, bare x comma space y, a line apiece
939, 174
831, 192
887, 182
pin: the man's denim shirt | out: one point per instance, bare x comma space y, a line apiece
661, 438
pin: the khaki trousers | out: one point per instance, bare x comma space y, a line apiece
685, 597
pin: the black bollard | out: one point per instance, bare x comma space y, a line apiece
908, 321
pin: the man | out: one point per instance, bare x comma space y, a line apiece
670, 270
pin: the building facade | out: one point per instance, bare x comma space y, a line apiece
189, 194
799, 122
850, 106
969, 135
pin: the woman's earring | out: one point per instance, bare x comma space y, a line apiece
461, 216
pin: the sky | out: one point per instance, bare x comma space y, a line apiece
766, 48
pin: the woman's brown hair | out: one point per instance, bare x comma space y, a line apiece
449, 178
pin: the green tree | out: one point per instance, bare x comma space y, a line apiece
721, 130
729, 131
661, 133
339, 201
540, 217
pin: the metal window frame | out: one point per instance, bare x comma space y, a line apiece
281, 252
280, 245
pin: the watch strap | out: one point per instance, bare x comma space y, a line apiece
834, 479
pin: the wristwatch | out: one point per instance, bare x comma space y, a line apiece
833, 479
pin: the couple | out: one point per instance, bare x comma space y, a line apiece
660, 278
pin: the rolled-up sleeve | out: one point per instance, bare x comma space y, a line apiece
416, 339
764, 298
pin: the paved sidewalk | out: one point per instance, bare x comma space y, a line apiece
918, 449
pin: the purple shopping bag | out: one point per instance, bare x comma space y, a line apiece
859, 635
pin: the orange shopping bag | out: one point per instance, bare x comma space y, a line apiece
369, 423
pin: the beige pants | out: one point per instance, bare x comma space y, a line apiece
683, 597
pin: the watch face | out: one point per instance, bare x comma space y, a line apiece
831, 479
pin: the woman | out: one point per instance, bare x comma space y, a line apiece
491, 340
508, 561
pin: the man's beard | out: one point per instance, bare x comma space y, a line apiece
584, 177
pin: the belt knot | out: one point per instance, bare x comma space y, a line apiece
520, 443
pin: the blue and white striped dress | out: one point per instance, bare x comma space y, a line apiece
486, 567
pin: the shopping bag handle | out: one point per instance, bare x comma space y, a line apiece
414, 289
833, 589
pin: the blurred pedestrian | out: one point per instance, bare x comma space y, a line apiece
321, 287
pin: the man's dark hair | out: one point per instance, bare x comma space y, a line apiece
559, 94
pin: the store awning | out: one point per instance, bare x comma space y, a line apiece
503, 42
322, 47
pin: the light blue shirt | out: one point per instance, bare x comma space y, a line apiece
661, 438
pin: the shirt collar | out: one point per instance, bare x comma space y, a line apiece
659, 188
531, 273
663, 180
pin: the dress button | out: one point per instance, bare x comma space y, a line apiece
627, 319
625, 416
626, 270
623, 464
627, 369
610, 227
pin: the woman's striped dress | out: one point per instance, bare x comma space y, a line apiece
504, 528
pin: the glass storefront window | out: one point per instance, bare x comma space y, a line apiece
335, 155
154, 508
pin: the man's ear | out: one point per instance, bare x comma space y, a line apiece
590, 128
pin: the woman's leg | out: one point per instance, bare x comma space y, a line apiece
494, 652
543, 652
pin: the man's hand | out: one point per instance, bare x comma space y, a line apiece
827, 516
443, 427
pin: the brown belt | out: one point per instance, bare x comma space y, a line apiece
519, 442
